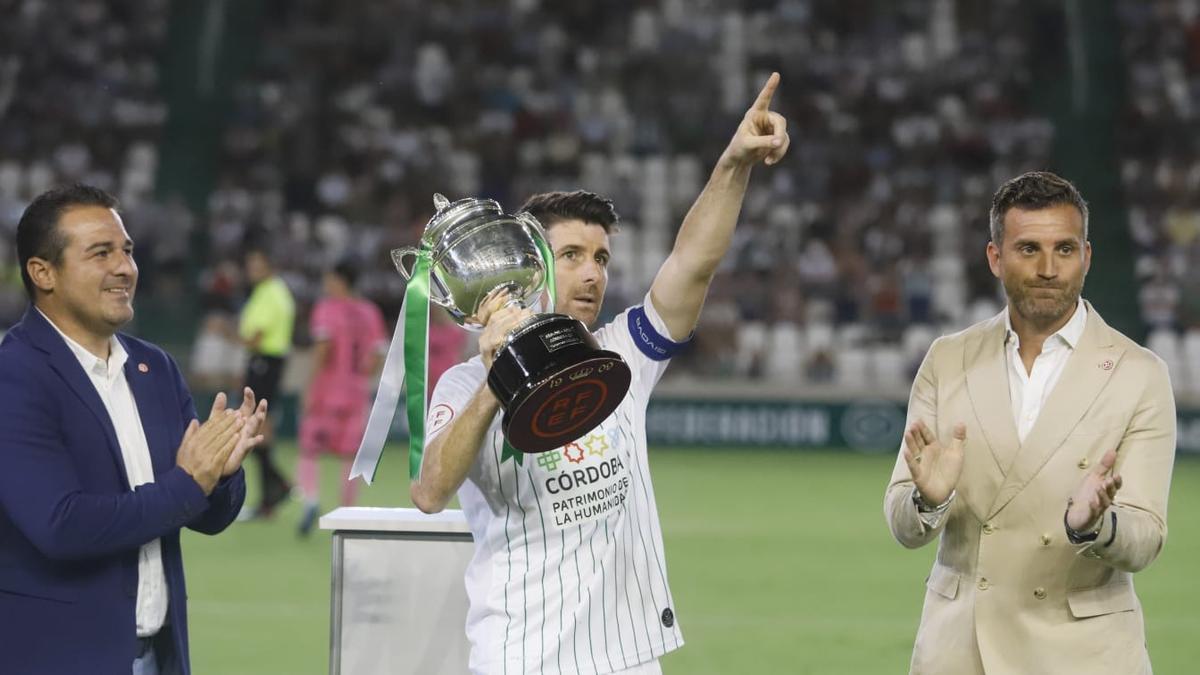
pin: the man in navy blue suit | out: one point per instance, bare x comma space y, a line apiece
102, 459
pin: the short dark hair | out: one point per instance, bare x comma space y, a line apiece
255, 246
347, 271
38, 235
555, 207
1034, 190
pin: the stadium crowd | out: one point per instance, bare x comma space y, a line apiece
80, 101
848, 260
1160, 172
855, 253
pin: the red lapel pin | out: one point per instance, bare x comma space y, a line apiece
143, 368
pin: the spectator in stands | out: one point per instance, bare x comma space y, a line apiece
339, 136
921, 105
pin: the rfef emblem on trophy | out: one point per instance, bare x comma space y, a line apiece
552, 378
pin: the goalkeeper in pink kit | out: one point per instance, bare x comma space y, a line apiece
349, 345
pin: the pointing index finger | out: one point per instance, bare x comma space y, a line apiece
763, 102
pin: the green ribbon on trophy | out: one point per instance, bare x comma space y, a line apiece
416, 356
405, 368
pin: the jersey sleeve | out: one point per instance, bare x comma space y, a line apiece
270, 304
452, 393
250, 321
377, 337
320, 323
640, 336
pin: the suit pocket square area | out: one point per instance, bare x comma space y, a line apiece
1101, 600
943, 581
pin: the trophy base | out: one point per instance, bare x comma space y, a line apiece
555, 383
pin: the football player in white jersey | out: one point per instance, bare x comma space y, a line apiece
568, 574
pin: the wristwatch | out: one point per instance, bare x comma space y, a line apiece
1075, 536
931, 516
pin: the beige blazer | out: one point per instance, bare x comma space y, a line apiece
1008, 594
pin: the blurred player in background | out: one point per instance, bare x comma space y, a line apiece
447, 346
1038, 453
349, 342
265, 327
569, 573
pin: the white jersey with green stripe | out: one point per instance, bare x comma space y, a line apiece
568, 574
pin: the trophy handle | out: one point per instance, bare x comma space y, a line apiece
398, 256
437, 294
537, 232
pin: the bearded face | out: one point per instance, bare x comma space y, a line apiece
581, 256
1042, 261
1041, 302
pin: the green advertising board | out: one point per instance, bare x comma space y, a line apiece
865, 426
871, 426
862, 425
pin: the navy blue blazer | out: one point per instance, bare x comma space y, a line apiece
70, 528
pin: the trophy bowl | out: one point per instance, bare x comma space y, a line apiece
552, 378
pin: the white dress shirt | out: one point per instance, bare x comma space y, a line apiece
1030, 391
109, 380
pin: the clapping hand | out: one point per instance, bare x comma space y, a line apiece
254, 416
207, 447
935, 467
1094, 495
216, 449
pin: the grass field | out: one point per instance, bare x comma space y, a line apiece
780, 563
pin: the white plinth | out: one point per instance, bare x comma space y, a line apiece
399, 605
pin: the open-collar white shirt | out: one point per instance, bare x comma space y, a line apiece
108, 377
1029, 391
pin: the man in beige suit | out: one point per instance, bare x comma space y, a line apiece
1038, 452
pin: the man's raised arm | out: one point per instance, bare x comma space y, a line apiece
682, 282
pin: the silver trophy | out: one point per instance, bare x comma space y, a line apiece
552, 378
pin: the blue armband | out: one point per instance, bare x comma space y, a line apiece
656, 347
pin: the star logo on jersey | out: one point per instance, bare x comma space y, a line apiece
548, 461
596, 444
573, 452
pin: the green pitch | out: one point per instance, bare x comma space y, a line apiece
780, 562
